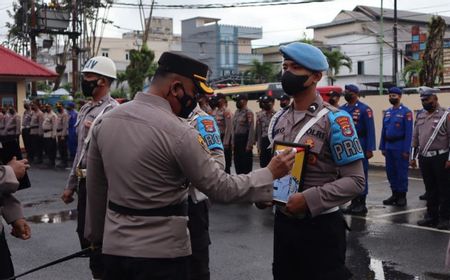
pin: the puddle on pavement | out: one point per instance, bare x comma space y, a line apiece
54, 218
33, 204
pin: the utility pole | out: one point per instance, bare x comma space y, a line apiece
147, 26
74, 47
395, 50
381, 50
33, 44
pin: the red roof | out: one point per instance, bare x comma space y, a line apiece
14, 65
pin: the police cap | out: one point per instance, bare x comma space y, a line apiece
266, 98
425, 92
240, 97
352, 88
334, 94
395, 90
187, 67
285, 97
305, 55
220, 96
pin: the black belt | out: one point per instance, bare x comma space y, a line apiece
36, 126
166, 211
11, 129
47, 130
58, 130
394, 139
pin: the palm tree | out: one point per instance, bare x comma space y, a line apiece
412, 72
432, 57
336, 60
262, 72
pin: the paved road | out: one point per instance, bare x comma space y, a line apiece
384, 245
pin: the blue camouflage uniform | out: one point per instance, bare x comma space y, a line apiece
365, 127
396, 136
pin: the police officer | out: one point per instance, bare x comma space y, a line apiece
49, 127
261, 129
11, 211
36, 133
98, 74
137, 196
431, 140
285, 100
223, 117
2, 123
309, 232
395, 145
72, 133
10, 141
334, 98
198, 203
363, 118
243, 136
62, 127
26, 122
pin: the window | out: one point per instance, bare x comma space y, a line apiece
127, 55
360, 67
105, 52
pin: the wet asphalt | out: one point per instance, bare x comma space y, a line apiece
384, 245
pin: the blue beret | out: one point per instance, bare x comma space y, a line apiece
352, 88
306, 55
395, 90
70, 104
427, 91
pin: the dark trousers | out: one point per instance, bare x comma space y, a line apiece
366, 175
26, 140
397, 170
198, 226
6, 266
62, 149
50, 149
95, 259
437, 185
265, 154
37, 146
10, 148
228, 153
128, 268
310, 248
243, 159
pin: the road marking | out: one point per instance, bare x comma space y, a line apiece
415, 179
400, 213
377, 267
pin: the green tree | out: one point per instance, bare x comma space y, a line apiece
336, 60
433, 55
411, 73
261, 72
141, 66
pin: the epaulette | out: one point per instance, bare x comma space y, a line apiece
331, 107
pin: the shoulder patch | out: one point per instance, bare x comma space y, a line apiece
409, 116
209, 132
344, 143
369, 113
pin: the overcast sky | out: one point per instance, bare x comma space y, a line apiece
279, 23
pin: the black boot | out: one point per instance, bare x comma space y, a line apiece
423, 196
392, 200
401, 199
361, 208
444, 224
353, 204
428, 221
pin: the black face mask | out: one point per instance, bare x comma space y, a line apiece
428, 106
293, 84
188, 104
394, 101
60, 110
284, 104
239, 105
332, 101
88, 87
348, 96
12, 112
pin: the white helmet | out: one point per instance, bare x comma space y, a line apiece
100, 65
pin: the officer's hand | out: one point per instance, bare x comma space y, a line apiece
447, 164
405, 156
281, 164
383, 152
296, 204
369, 154
263, 205
19, 167
87, 124
67, 196
21, 229
413, 163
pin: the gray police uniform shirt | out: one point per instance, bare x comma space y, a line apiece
326, 184
26, 119
162, 152
12, 124
244, 123
217, 154
49, 125
62, 124
223, 118
10, 208
262, 125
37, 117
424, 127
87, 113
